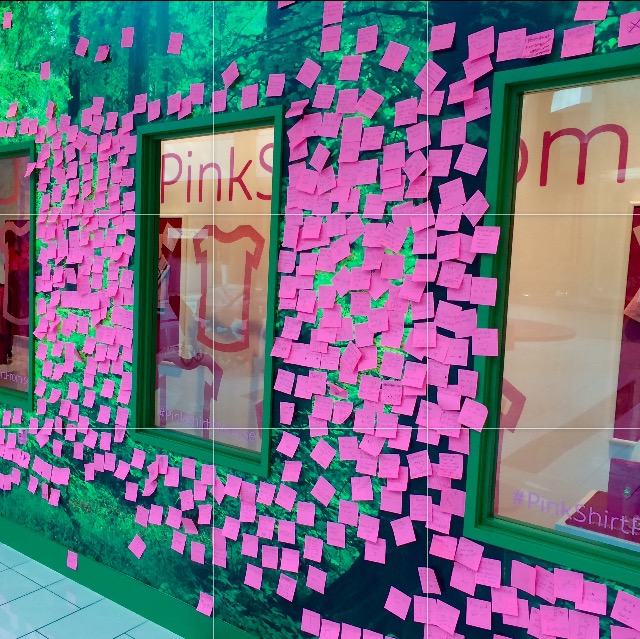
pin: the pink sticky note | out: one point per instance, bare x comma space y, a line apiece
473, 414
325, 94
82, 46
591, 10
398, 603
330, 39
286, 587
308, 73
538, 44
470, 159
333, 10
367, 39
175, 43
350, 67
230, 75
394, 56
45, 70
205, 605
126, 41
478, 613
253, 576
629, 33
316, 579
6, 20
568, 584
453, 132
72, 560
137, 546
153, 110
102, 53
442, 36
485, 239
249, 96
481, 43
626, 609
511, 45
578, 41
275, 85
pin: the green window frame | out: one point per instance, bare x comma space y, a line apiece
10, 397
143, 428
224, 454
480, 522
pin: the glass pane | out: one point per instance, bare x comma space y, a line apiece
184, 380
15, 208
242, 218
569, 457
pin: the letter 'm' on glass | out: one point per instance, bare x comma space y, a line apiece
570, 424
15, 272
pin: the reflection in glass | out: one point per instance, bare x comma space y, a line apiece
15, 208
569, 457
242, 221
184, 380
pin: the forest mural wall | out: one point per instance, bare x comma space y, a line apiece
78, 78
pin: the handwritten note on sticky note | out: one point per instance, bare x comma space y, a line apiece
591, 10
398, 603
330, 39
481, 43
538, 44
470, 159
367, 39
442, 36
332, 13
453, 132
275, 85
578, 41
511, 45
394, 56
629, 33
308, 73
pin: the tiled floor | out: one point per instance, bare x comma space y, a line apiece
39, 603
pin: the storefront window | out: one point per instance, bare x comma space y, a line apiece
15, 272
568, 450
185, 332
243, 164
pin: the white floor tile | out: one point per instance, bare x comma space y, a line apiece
150, 630
74, 593
39, 573
102, 620
31, 612
14, 585
10, 557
